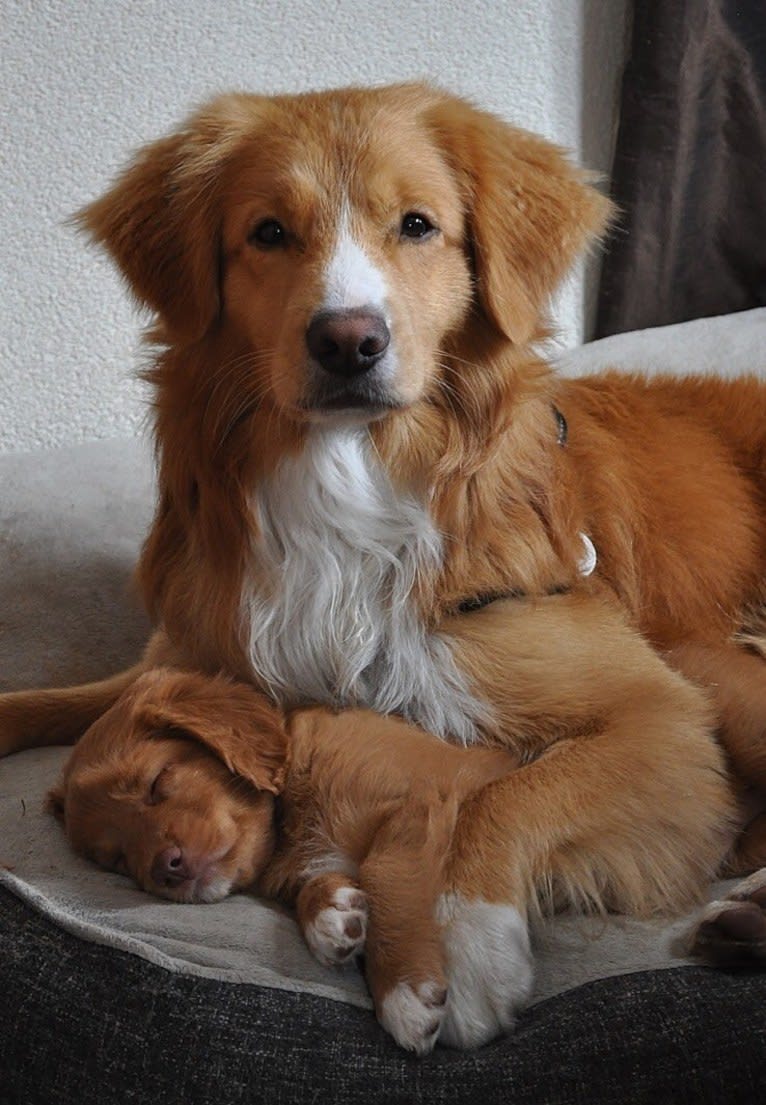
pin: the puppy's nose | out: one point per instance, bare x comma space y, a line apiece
347, 343
171, 868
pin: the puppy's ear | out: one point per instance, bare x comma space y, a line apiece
232, 720
530, 212
161, 220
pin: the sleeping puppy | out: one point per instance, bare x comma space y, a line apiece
196, 786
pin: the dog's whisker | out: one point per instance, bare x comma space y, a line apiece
252, 399
233, 371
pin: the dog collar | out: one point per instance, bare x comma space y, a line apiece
586, 565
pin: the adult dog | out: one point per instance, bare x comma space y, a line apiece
374, 492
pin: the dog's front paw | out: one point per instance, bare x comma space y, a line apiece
413, 1013
338, 931
489, 969
732, 932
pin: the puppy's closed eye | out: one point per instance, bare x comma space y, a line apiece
158, 787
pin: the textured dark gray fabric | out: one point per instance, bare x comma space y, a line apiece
86, 1025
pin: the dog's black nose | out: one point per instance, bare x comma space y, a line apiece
347, 343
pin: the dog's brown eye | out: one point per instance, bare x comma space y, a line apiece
268, 234
415, 225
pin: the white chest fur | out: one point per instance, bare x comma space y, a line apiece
328, 605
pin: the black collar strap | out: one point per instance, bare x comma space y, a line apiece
478, 602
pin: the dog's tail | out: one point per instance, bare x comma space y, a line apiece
37, 718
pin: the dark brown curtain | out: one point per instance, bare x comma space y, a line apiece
690, 167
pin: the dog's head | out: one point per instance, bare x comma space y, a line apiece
175, 786
337, 242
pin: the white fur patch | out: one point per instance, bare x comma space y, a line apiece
413, 1014
351, 279
489, 969
215, 891
198, 890
328, 938
328, 609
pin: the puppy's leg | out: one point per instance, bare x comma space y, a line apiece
332, 913
37, 718
402, 876
732, 932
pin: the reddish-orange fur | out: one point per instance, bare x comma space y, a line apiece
623, 799
379, 793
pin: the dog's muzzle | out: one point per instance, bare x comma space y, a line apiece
350, 354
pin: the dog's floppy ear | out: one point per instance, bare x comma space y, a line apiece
234, 721
530, 212
161, 220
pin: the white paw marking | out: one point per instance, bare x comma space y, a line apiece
489, 969
339, 930
414, 1014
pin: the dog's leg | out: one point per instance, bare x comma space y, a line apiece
332, 913
736, 680
584, 824
36, 718
622, 742
402, 876
633, 813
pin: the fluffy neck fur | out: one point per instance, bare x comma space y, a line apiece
329, 603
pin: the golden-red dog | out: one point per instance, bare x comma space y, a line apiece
374, 492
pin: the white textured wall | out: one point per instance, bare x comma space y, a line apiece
86, 81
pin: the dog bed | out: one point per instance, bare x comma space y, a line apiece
112, 996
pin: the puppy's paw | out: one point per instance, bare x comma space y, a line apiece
489, 969
339, 929
413, 1013
732, 932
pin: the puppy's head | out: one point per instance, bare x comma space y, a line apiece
175, 786
337, 242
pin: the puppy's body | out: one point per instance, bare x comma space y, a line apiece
373, 490
174, 786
